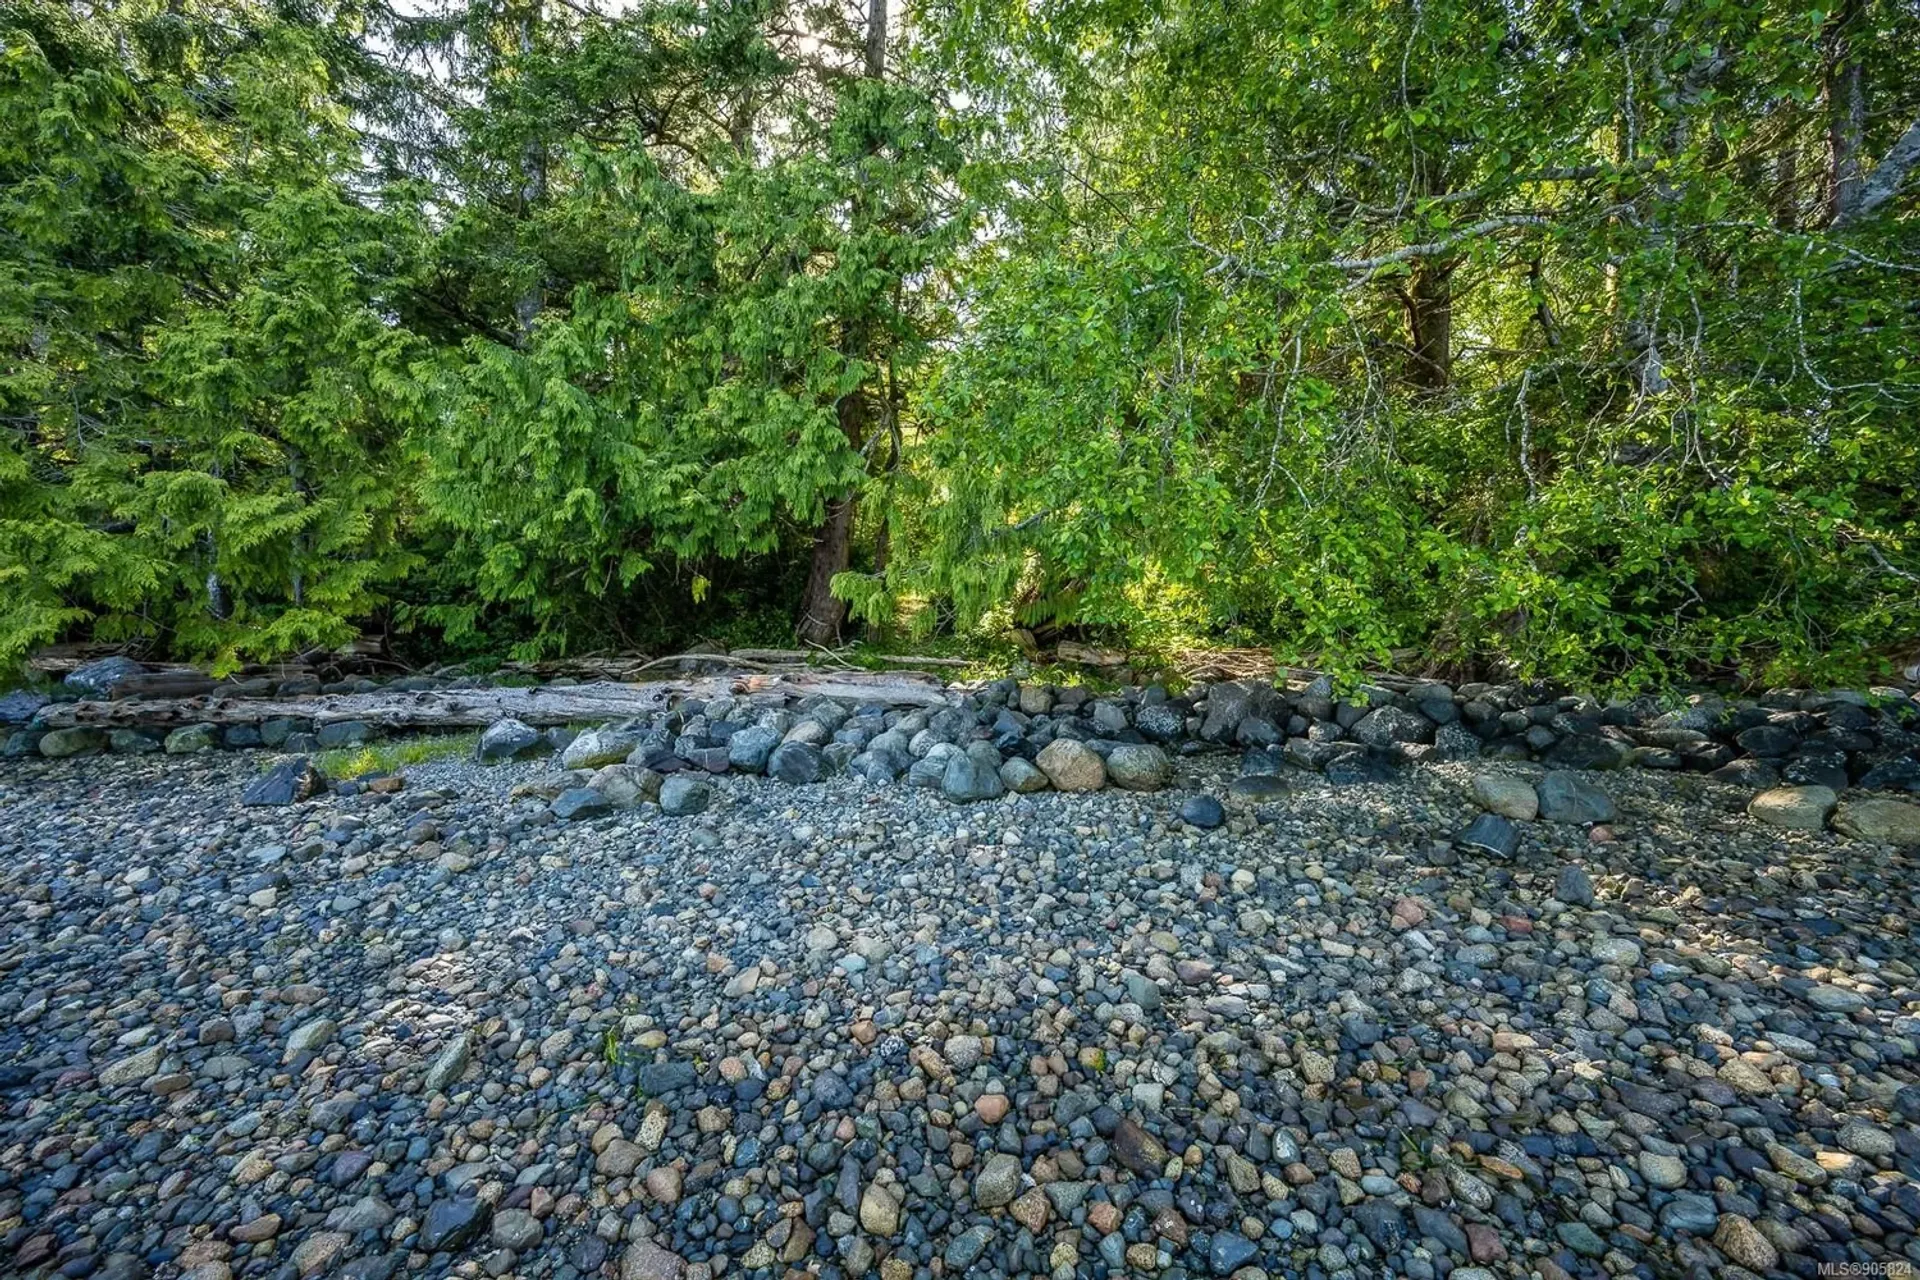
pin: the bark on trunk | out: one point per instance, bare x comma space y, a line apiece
822, 612
533, 192
1846, 94
1429, 303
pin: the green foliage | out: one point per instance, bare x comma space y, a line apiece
674, 399
1566, 341
203, 400
1667, 432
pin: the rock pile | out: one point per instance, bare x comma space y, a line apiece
1800, 750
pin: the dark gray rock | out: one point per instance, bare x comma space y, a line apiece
1586, 751
1456, 742
20, 706
1489, 833
288, 782
798, 763
1573, 887
1230, 702
1767, 740
1162, 722
682, 795
1392, 726
346, 733
1229, 1251
22, 743
1202, 811
1567, 797
454, 1224
968, 778
1357, 768
581, 802
749, 749
1748, 772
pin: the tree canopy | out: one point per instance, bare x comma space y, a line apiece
1569, 340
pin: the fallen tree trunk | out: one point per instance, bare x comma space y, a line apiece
477, 708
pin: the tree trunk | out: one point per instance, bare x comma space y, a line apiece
533, 192
1429, 302
1846, 95
821, 612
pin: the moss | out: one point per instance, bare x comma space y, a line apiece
385, 757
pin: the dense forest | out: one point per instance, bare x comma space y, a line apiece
1578, 339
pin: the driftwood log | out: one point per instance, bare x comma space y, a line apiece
476, 708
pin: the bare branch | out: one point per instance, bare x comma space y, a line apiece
1435, 248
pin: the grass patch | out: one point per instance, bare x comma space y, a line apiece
342, 763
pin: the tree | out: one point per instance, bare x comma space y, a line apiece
203, 400
1494, 331
740, 216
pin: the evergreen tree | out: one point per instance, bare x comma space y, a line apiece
203, 398
733, 223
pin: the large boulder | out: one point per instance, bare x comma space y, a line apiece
1230, 702
626, 786
80, 740
1161, 721
797, 762
969, 777
1392, 726
1072, 766
132, 742
1021, 776
346, 733
1880, 820
580, 802
193, 739
1568, 797
508, 739
598, 747
1794, 808
1587, 751
748, 749
20, 706
1138, 767
1506, 795
682, 795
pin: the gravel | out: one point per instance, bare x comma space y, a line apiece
849, 1028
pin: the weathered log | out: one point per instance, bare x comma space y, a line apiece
475, 708
165, 684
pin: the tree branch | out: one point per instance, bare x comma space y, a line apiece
1435, 248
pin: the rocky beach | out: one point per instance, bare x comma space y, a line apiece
1420, 1015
